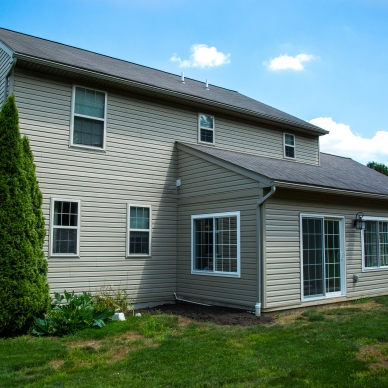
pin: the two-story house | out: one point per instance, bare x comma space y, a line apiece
163, 185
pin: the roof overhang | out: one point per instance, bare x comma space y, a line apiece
58, 68
329, 190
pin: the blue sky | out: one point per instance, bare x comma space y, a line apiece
323, 61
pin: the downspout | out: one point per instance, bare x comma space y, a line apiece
259, 248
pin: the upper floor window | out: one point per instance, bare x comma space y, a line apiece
205, 129
89, 118
139, 230
376, 243
216, 244
64, 227
289, 146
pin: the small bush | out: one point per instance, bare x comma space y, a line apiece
76, 314
110, 297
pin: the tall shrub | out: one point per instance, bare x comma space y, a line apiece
24, 290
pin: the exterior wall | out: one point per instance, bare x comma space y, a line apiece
282, 247
137, 167
140, 167
5, 66
207, 188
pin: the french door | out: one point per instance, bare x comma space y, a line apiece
322, 257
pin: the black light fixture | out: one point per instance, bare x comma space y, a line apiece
358, 222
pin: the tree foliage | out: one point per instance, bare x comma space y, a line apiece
380, 167
24, 290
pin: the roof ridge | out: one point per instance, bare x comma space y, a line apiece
114, 58
338, 156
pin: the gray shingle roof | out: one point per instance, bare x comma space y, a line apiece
334, 172
75, 57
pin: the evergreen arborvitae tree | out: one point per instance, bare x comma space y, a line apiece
24, 291
380, 167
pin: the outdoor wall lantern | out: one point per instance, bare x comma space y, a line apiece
358, 222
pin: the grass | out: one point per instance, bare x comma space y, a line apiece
337, 347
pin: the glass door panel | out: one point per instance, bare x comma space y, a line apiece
332, 256
313, 270
321, 256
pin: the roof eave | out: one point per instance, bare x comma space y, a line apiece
328, 190
146, 87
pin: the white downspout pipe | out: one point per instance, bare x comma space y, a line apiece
259, 249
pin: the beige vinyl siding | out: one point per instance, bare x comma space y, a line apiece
207, 188
5, 66
137, 168
282, 246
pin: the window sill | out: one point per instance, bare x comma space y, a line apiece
139, 256
64, 256
375, 269
339, 295
206, 143
81, 147
218, 274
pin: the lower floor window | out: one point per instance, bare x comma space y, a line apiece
321, 256
65, 222
139, 231
376, 244
216, 243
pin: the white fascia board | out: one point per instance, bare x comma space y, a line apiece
329, 190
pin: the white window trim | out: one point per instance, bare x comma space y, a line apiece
343, 256
75, 145
51, 239
208, 129
216, 273
364, 268
284, 145
129, 205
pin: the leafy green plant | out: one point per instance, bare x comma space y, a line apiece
110, 297
77, 313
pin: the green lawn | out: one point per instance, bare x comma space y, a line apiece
345, 346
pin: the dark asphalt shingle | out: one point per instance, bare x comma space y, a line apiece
334, 172
68, 55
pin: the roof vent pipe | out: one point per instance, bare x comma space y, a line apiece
183, 77
207, 85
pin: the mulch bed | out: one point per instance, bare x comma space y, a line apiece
215, 314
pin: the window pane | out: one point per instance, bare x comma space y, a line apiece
383, 235
206, 121
88, 132
203, 244
65, 241
289, 140
312, 256
206, 135
290, 152
139, 243
65, 213
226, 250
139, 217
89, 102
370, 244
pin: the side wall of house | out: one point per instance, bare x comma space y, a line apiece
207, 188
138, 167
282, 246
5, 66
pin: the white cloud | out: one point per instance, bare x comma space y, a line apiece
342, 141
287, 62
202, 56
